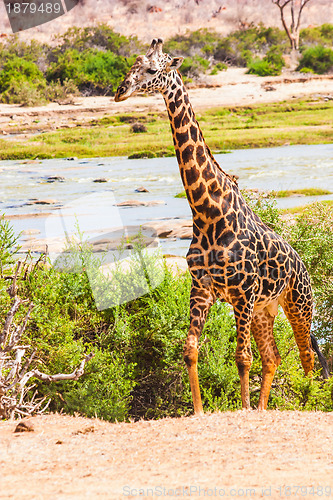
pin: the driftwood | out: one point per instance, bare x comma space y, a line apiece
16, 398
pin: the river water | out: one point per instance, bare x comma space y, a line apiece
91, 205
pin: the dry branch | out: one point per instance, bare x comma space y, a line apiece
15, 370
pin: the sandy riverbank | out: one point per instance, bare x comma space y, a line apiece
229, 88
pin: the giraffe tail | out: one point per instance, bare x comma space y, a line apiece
320, 355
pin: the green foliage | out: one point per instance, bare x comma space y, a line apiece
91, 71
105, 391
218, 67
199, 42
57, 91
18, 69
8, 243
267, 210
261, 67
194, 66
304, 192
236, 49
21, 82
100, 37
306, 70
33, 51
239, 47
270, 65
319, 59
312, 237
317, 35
230, 52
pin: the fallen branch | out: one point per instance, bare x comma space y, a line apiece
15, 396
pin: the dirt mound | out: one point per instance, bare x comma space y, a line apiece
234, 454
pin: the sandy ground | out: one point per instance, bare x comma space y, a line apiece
232, 454
229, 88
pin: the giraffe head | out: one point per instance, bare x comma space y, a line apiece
150, 73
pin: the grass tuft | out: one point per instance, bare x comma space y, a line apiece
303, 192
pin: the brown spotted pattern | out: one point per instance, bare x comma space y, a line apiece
233, 256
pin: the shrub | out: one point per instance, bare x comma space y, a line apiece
229, 52
322, 35
91, 71
138, 128
194, 66
311, 237
270, 65
306, 70
100, 37
239, 47
261, 67
218, 67
200, 42
319, 59
57, 91
8, 243
18, 70
21, 82
33, 51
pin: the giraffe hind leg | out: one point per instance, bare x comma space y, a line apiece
262, 330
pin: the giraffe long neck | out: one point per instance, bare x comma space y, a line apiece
205, 183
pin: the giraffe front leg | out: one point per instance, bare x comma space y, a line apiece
243, 316
201, 301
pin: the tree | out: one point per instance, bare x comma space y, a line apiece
293, 31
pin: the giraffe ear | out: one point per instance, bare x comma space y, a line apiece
175, 63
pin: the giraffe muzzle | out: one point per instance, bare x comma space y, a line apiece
122, 93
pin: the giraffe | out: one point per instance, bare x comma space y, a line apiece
233, 256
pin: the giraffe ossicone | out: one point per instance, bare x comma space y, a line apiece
233, 256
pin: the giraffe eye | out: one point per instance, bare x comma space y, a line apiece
152, 71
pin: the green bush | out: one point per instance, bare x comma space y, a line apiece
200, 42
56, 91
8, 243
231, 52
218, 67
261, 67
311, 237
239, 47
33, 51
194, 66
105, 390
319, 59
270, 65
91, 71
18, 70
100, 37
317, 35
306, 70
21, 82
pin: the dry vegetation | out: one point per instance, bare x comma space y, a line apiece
148, 19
